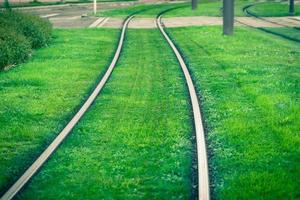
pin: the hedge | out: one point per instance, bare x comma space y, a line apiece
19, 32
36, 29
14, 47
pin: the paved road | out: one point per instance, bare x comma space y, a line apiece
204, 21
75, 16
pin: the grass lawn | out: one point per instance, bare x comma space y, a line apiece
38, 97
273, 9
287, 31
135, 142
249, 87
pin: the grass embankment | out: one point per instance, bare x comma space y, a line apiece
205, 8
273, 9
134, 143
38, 97
249, 87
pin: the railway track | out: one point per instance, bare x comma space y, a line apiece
247, 12
203, 191
40, 161
203, 177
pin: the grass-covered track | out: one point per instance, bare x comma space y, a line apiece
39, 97
248, 86
135, 142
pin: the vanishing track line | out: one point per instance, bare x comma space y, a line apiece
39, 162
203, 177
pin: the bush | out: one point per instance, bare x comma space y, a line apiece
35, 29
19, 32
14, 47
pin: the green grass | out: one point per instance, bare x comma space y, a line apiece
248, 84
273, 9
287, 31
38, 97
135, 142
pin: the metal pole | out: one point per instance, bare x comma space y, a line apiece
6, 4
95, 7
292, 7
228, 17
194, 4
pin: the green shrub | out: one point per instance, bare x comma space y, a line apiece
14, 47
37, 30
19, 32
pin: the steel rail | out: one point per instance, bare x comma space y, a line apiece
38, 163
203, 178
295, 19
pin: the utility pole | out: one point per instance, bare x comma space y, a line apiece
95, 7
292, 7
228, 17
6, 5
194, 4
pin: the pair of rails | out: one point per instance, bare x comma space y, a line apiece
203, 178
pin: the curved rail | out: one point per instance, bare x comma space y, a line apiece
203, 178
247, 12
30, 172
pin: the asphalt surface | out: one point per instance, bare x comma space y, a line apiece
73, 16
79, 16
